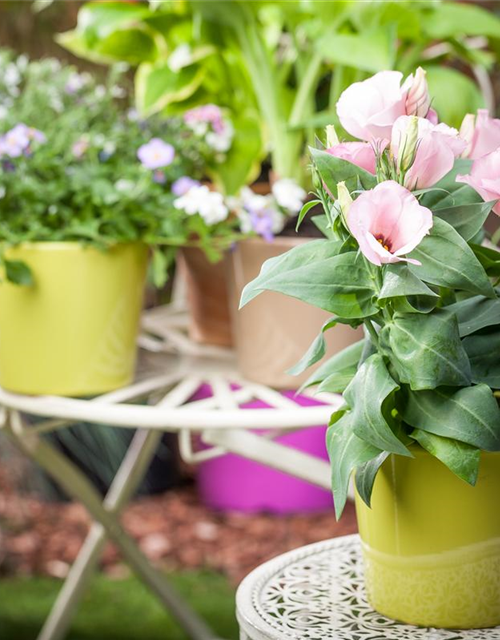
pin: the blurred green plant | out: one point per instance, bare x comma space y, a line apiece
281, 66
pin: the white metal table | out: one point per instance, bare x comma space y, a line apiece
317, 593
171, 370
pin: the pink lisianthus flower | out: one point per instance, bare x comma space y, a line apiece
388, 222
481, 133
485, 178
367, 110
437, 146
362, 154
156, 154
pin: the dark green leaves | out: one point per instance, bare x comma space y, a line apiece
18, 272
469, 415
484, 356
346, 452
400, 281
459, 457
366, 474
337, 372
448, 261
427, 353
366, 395
467, 219
334, 170
476, 313
314, 273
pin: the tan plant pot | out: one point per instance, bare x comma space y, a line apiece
207, 297
274, 331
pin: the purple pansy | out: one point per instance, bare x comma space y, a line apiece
16, 141
156, 154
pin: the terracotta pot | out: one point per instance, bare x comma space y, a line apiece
207, 297
274, 331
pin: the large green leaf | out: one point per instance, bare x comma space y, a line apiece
426, 350
372, 50
366, 395
335, 374
448, 261
157, 86
467, 219
452, 19
489, 258
448, 192
346, 452
470, 415
400, 281
18, 272
366, 474
460, 457
334, 170
340, 284
128, 45
476, 313
484, 354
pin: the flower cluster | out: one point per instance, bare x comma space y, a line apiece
404, 213
253, 213
209, 123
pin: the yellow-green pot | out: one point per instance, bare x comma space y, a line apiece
431, 543
73, 332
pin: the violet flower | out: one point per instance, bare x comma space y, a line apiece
156, 154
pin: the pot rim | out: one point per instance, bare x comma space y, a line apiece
68, 245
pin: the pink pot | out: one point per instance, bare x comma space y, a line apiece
233, 483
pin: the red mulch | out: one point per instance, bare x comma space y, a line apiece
173, 529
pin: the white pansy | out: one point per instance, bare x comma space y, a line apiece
289, 195
180, 58
208, 204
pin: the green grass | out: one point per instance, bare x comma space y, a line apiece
116, 609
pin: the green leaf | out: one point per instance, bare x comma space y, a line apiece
128, 45
335, 374
467, 219
157, 86
489, 259
484, 356
400, 281
321, 223
334, 170
366, 474
426, 351
304, 211
18, 272
372, 50
461, 458
448, 261
366, 395
315, 352
159, 266
346, 452
452, 19
470, 415
314, 273
476, 313
448, 192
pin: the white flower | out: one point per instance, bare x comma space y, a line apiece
221, 141
118, 92
289, 195
22, 62
3, 111
100, 91
123, 186
208, 204
76, 82
2, 191
11, 76
180, 58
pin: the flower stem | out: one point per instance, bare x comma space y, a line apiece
372, 331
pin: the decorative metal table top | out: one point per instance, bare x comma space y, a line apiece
317, 593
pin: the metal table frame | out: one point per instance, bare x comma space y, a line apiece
217, 420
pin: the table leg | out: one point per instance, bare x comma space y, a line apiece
76, 485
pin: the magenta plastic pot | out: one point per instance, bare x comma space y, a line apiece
233, 483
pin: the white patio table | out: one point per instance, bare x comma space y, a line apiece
171, 370
317, 593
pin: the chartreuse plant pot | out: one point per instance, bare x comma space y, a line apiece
431, 543
73, 332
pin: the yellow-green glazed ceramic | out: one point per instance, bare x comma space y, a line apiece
73, 332
431, 543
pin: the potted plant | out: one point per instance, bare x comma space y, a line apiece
85, 188
407, 258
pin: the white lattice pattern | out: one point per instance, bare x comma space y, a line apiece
317, 593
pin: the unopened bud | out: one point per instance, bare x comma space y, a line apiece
332, 138
344, 199
408, 145
418, 101
467, 133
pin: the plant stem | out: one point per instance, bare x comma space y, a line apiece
371, 330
